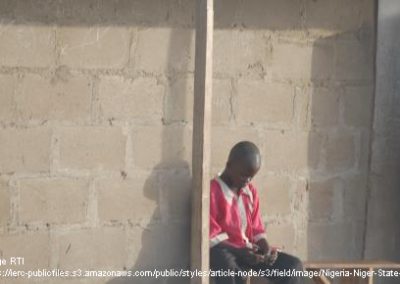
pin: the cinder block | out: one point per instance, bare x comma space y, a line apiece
136, 237
180, 13
284, 14
161, 146
241, 53
94, 47
45, 12
5, 203
34, 247
302, 61
333, 15
274, 193
226, 14
354, 60
6, 8
180, 96
97, 248
260, 102
57, 200
223, 139
322, 60
175, 191
292, 150
92, 148
302, 107
324, 107
88, 13
25, 150
322, 201
357, 103
172, 239
135, 199
65, 97
27, 45
332, 241
221, 109
282, 236
340, 151
123, 99
149, 13
161, 50
179, 99
8, 84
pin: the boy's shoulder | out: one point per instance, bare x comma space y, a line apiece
214, 184
252, 188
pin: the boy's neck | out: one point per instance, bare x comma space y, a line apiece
225, 178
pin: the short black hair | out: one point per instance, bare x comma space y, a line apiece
244, 150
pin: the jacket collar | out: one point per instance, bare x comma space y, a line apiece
229, 194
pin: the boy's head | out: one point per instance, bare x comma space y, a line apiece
243, 163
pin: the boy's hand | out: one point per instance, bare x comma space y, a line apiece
263, 246
272, 257
270, 253
249, 256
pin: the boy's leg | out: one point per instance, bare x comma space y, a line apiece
284, 262
221, 258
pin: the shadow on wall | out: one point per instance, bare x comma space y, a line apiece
341, 107
165, 241
250, 14
354, 189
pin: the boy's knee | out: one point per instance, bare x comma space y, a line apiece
297, 264
291, 262
223, 259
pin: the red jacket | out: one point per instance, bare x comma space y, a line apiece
234, 218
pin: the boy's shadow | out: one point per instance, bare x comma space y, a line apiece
165, 241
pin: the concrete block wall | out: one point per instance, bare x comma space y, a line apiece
96, 123
302, 89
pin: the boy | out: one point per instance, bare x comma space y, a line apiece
237, 234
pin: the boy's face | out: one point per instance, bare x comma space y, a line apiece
242, 172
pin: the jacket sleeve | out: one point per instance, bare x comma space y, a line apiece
257, 222
216, 233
